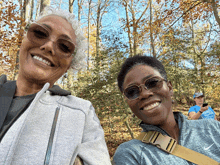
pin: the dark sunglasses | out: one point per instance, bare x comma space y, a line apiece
39, 35
153, 84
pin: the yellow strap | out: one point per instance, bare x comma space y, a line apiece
166, 143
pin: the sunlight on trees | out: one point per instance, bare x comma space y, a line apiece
183, 34
12, 30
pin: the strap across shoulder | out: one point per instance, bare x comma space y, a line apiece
170, 146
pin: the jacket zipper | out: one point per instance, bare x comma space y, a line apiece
50, 142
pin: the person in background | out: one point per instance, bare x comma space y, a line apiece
200, 111
143, 82
40, 123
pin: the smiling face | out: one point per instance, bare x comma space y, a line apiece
151, 107
199, 100
42, 63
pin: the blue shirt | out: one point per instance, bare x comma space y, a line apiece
208, 114
202, 136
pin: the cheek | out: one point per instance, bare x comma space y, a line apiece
25, 46
65, 63
133, 106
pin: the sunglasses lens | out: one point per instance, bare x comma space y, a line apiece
37, 34
132, 92
153, 84
65, 47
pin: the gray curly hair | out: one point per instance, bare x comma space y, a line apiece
78, 62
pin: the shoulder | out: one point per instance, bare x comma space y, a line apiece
131, 145
211, 108
129, 152
193, 108
69, 101
79, 102
76, 103
205, 124
3, 79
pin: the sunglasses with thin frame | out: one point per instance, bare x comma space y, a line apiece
152, 84
39, 35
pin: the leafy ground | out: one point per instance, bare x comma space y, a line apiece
116, 131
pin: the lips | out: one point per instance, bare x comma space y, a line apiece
150, 106
43, 59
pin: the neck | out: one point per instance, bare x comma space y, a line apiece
171, 127
25, 87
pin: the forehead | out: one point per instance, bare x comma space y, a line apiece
199, 97
58, 25
139, 73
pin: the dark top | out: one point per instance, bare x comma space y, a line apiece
18, 105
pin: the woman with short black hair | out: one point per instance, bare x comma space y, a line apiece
143, 82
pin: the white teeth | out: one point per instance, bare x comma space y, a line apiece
42, 60
151, 106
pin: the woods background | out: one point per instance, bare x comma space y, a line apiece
183, 34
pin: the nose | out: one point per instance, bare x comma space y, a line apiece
48, 47
145, 93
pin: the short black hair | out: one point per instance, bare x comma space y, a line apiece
136, 60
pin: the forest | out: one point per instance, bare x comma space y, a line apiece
182, 34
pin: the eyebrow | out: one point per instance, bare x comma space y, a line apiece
63, 35
147, 77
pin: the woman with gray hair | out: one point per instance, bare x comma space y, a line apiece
40, 123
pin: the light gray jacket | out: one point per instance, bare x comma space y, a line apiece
77, 132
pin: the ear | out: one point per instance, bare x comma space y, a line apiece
170, 86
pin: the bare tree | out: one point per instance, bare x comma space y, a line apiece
71, 6
80, 3
43, 4
89, 13
128, 27
215, 11
134, 21
101, 9
23, 11
151, 32
28, 10
32, 9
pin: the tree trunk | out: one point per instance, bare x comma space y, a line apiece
38, 8
128, 27
134, 29
80, 2
27, 10
60, 4
151, 33
135, 26
32, 9
43, 4
98, 28
215, 12
71, 6
89, 12
24, 2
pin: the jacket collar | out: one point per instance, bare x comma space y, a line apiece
56, 90
7, 91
